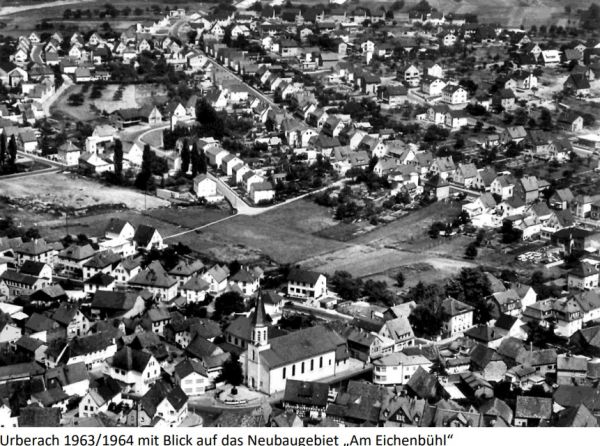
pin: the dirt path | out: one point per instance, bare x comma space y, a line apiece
8, 10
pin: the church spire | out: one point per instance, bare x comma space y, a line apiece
259, 318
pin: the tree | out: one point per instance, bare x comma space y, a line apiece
2, 149
118, 158
228, 303
12, 151
211, 124
185, 157
399, 279
426, 321
471, 251
232, 372
346, 286
545, 119
143, 180
377, 291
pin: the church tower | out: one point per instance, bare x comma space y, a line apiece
255, 374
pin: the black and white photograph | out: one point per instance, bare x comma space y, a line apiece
298, 214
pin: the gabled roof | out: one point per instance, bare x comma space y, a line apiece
153, 276
303, 276
129, 359
306, 393
143, 235
188, 366
302, 344
158, 393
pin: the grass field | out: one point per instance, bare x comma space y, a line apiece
134, 96
284, 235
69, 190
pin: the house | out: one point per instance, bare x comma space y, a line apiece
398, 368
216, 278
530, 411
309, 354
73, 258
306, 399
111, 304
584, 277
454, 94
37, 250
561, 199
246, 280
137, 369
68, 153
164, 402
393, 95
466, 175
503, 186
513, 133
192, 377
118, 228
262, 192
103, 392
72, 319
204, 187
570, 121
92, 349
577, 84
156, 280
458, 316
504, 99
432, 86
571, 370
306, 284
147, 238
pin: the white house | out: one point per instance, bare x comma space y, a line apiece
306, 284
397, 368
192, 377
136, 368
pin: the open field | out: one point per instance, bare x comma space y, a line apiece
68, 190
284, 235
134, 96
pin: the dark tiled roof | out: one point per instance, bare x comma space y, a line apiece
131, 360
302, 344
306, 393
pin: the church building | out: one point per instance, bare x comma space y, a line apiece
310, 354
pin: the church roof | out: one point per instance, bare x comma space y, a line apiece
301, 344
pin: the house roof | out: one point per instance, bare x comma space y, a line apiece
189, 366
129, 359
32, 268
36, 416
306, 393
452, 307
303, 276
143, 235
153, 276
533, 407
158, 393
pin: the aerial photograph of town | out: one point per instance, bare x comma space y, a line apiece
299, 213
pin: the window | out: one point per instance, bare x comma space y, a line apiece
321, 362
312, 364
284, 373
294, 370
302, 368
